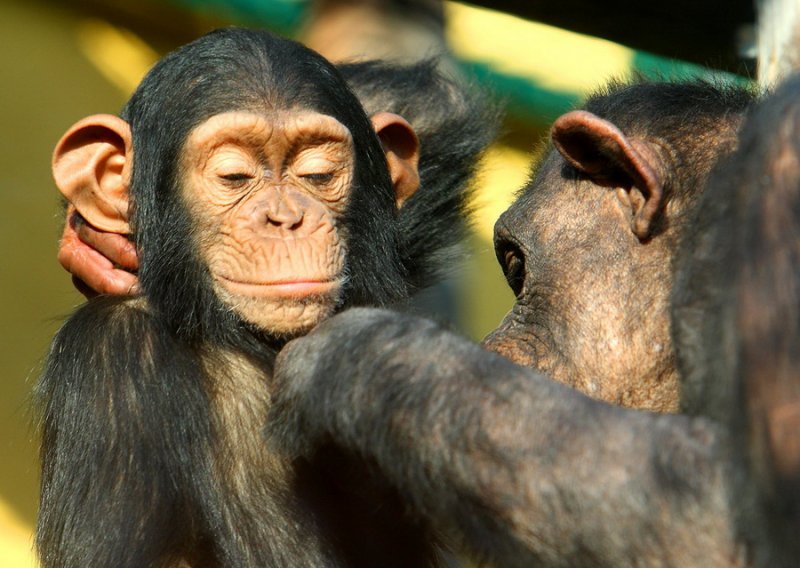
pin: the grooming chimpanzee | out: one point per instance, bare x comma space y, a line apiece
588, 246
522, 470
261, 201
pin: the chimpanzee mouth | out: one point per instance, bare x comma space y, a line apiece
299, 288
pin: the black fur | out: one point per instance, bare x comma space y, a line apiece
454, 123
106, 424
141, 464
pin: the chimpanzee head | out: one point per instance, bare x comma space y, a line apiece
588, 245
261, 195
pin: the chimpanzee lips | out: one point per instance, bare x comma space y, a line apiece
295, 288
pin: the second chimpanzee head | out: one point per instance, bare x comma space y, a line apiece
260, 192
588, 245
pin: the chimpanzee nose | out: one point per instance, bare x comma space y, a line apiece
286, 217
282, 209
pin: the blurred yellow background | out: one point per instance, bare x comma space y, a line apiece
46, 84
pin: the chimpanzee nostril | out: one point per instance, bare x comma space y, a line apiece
283, 210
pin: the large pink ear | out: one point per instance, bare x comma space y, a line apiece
92, 168
401, 146
601, 151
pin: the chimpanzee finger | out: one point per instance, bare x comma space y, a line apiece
92, 272
115, 247
83, 288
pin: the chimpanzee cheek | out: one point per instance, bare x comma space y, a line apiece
511, 341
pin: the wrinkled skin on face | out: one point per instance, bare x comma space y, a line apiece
266, 193
592, 302
588, 246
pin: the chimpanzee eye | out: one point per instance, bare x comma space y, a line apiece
514, 268
318, 178
236, 177
236, 180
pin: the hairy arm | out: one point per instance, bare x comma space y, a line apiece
124, 435
520, 469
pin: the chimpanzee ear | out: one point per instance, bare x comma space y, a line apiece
601, 151
92, 168
401, 146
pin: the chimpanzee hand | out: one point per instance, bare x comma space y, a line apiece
334, 381
100, 262
308, 394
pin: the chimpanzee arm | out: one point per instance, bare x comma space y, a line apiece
521, 469
119, 479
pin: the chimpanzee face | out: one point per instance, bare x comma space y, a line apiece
588, 246
266, 193
591, 302
591, 281
254, 163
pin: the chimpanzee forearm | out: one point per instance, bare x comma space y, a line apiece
520, 468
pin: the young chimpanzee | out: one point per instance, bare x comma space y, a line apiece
261, 201
522, 470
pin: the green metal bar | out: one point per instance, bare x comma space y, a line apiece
283, 16
525, 98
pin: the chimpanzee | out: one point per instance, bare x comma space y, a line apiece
525, 471
103, 260
261, 201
